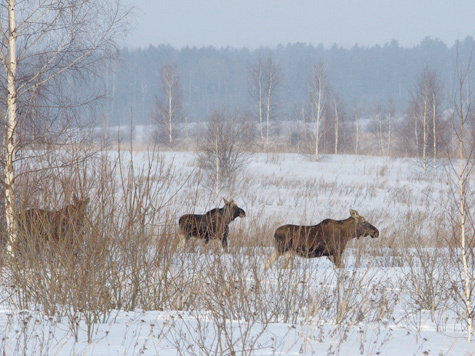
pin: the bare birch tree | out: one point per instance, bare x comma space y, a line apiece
266, 79
437, 101
378, 127
425, 112
381, 126
336, 120
169, 105
317, 96
257, 78
338, 116
356, 115
46, 42
389, 119
463, 114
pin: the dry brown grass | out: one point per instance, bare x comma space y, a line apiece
127, 258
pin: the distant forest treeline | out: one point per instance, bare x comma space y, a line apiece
219, 78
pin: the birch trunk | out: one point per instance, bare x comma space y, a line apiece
424, 134
10, 129
319, 114
356, 132
336, 125
316, 98
186, 129
434, 134
463, 241
463, 246
170, 112
216, 147
380, 132
416, 134
269, 95
389, 132
260, 103
304, 126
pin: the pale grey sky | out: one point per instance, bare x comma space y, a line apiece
252, 23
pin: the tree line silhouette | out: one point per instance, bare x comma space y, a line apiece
214, 78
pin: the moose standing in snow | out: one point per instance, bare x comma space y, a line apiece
329, 238
212, 225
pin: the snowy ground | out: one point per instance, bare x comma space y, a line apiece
380, 317
173, 333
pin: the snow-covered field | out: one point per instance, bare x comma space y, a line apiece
395, 296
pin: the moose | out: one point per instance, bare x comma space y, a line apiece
54, 226
212, 225
328, 238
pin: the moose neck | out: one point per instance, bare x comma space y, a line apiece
228, 215
349, 228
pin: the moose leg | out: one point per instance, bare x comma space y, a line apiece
224, 239
181, 244
289, 258
271, 259
336, 259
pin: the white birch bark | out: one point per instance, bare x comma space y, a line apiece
356, 131
380, 131
10, 129
259, 84
269, 96
434, 132
463, 239
318, 119
389, 130
317, 96
424, 133
216, 147
336, 125
170, 112
462, 104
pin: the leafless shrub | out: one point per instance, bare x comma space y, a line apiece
227, 318
225, 148
427, 278
126, 234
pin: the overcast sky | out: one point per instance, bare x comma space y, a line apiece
252, 23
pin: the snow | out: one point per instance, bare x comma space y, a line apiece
279, 188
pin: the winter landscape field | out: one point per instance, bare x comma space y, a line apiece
267, 130
399, 294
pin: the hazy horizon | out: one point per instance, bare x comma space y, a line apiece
252, 24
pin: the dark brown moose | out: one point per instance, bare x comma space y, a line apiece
329, 238
54, 226
214, 224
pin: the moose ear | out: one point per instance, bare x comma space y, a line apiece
225, 201
354, 214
